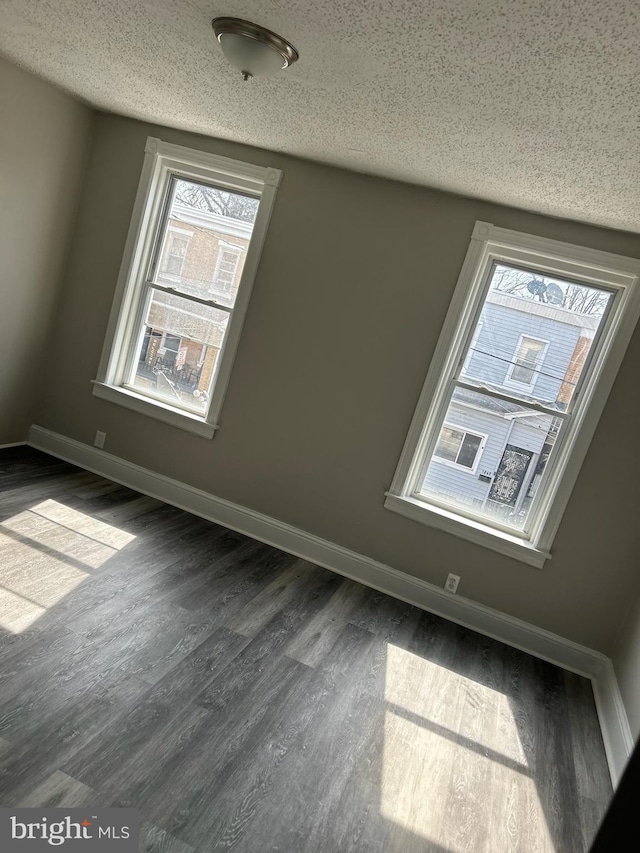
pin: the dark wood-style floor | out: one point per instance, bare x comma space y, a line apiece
247, 700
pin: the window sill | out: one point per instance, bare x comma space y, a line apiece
464, 528
154, 409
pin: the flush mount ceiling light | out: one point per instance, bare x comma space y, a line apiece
253, 50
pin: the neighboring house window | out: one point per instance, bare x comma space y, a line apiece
533, 339
226, 267
176, 251
172, 337
459, 447
528, 358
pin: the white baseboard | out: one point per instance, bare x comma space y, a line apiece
614, 722
13, 444
478, 617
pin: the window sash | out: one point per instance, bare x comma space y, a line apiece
427, 498
201, 300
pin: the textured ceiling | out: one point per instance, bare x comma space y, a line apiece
533, 103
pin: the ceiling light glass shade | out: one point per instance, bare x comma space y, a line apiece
249, 56
253, 50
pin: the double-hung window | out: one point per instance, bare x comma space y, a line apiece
533, 339
195, 239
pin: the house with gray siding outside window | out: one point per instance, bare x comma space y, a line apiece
491, 453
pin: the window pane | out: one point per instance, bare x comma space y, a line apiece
469, 450
534, 331
508, 464
448, 444
178, 350
205, 240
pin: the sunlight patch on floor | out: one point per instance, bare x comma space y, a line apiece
18, 613
29, 527
45, 553
83, 524
448, 741
437, 694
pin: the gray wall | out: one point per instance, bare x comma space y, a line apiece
626, 662
43, 143
334, 351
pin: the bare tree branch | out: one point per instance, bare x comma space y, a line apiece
575, 297
215, 200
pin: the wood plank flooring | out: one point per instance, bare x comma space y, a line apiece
246, 700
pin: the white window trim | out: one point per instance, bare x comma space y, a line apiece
160, 159
527, 387
483, 443
488, 244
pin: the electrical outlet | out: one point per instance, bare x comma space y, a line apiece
451, 584
99, 439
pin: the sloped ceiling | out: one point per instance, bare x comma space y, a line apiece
533, 103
